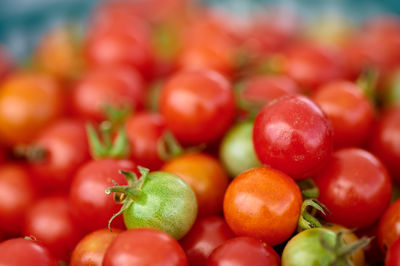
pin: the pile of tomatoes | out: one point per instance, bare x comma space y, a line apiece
170, 133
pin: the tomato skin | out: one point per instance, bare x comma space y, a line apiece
389, 226
66, 147
205, 175
268, 211
293, 135
393, 255
49, 219
151, 247
143, 131
17, 193
349, 110
39, 101
206, 234
91, 249
19, 251
89, 203
244, 251
112, 86
366, 193
198, 106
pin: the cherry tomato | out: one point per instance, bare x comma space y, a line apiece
206, 234
144, 246
263, 203
19, 251
91, 249
244, 251
349, 110
355, 187
107, 86
50, 221
27, 103
389, 226
293, 135
393, 255
89, 203
205, 175
197, 106
17, 194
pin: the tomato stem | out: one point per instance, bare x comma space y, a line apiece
367, 82
168, 147
31, 153
308, 188
307, 220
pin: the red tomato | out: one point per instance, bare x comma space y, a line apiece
244, 251
144, 246
349, 110
16, 198
355, 187
66, 148
389, 226
91, 206
91, 249
393, 255
198, 106
206, 234
19, 251
293, 135
50, 221
112, 86
263, 203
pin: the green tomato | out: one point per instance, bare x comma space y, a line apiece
237, 152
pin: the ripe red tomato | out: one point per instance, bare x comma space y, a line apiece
293, 135
263, 203
144, 246
198, 106
19, 251
393, 255
244, 251
50, 221
389, 226
355, 187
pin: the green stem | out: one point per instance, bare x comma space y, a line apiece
367, 82
308, 188
168, 147
306, 219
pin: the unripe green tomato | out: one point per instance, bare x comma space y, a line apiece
237, 152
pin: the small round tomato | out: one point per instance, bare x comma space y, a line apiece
205, 175
108, 86
27, 103
389, 226
91, 249
263, 203
16, 197
393, 254
19, 251
237, 151
206, 234
50, 221
293, 135
144, 246
355, 187
244, 251
198, 106
89, 203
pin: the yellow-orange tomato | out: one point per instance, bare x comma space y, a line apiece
205, 176
27, 103
263, 203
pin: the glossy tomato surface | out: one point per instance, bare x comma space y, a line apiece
393, 255
389, 226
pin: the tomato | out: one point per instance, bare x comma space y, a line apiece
205, 175
244, 251
144, 130
5, 63
19, 251
389, 226
198, 106
355, 187
91, 249
349, 110
50, 221
28, 102
206, 234
236, 150
293, 135
108, 86
263, 203
89, 203
144, 246
393, 255
17, 194
65, 148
